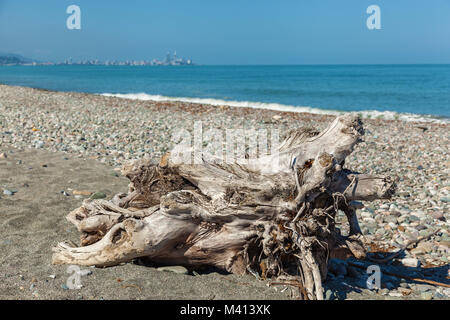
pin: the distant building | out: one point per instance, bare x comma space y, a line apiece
168, 61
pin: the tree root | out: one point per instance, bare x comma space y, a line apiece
246, 216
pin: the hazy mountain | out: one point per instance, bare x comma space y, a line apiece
14, 59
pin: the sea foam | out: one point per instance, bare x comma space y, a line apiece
368, 114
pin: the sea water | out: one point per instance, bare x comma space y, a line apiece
408, 92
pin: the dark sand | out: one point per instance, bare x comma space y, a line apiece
33, 221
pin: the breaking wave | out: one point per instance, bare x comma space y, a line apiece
368, 114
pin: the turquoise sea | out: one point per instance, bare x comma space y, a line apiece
400, 91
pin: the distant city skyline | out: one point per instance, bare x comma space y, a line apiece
169, 60
231, 32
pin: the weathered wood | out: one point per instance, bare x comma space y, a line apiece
274, 214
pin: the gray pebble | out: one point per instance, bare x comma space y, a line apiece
8, 192
424, 287
328, 295
410, 262
175, 269
98, 195
426, 295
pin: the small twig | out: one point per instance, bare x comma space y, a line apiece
351, 183
299, 213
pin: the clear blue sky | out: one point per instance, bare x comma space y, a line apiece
231, 31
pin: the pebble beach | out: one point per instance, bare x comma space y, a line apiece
53, 145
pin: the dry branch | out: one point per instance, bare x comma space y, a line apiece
273, 214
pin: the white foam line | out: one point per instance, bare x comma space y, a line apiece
389, 115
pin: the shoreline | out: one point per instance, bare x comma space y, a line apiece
65, 141
272, 106
365, 114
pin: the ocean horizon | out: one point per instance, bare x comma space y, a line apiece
419, 92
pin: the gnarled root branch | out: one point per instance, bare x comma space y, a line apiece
250, 215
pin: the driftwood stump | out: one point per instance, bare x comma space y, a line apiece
276, 220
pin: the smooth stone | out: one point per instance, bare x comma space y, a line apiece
445, 244
395, 294
277, 117
424, 287
404, 194
40, 144
328, 295
418, 251
438, 216
423, 233
438, 295
447, 292
114, 174
8, 192
390, 219
427, 246
404, 291
392, 225
420, 228
426, 295
82, 193
410, 262
175, 269
98, 195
